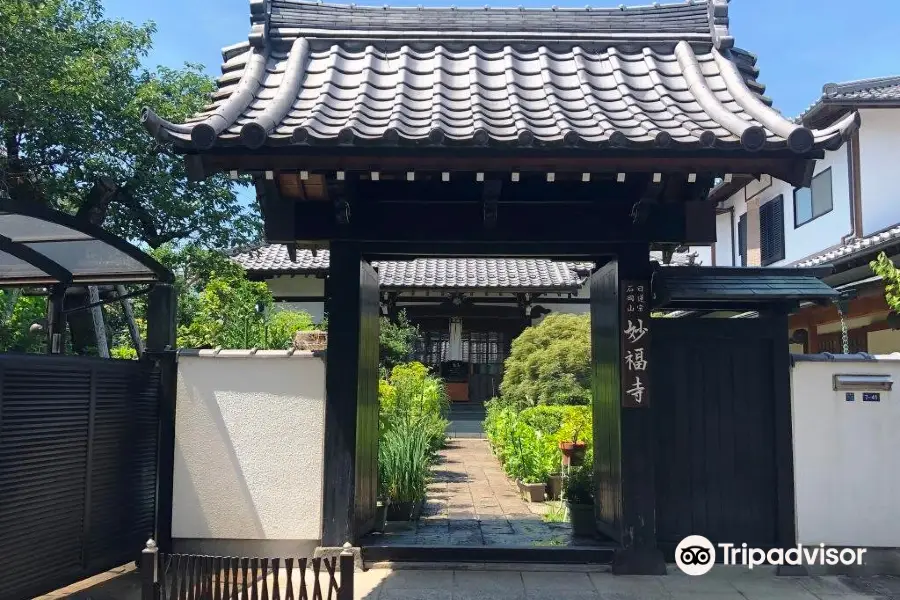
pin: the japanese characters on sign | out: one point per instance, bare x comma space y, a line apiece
635, 301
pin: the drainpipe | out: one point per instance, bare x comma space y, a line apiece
855, 181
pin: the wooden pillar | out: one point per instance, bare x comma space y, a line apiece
623, 421
784, 444
161, 341
56, 321
351, 397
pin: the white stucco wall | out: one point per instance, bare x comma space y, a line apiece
308, 286
249, 437
846, 472
879, 158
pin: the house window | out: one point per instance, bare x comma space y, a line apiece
742, 239
482, 347
432, 347
814, 201
771, 231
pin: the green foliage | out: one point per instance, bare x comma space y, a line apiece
578, 487
19, 313
576, 425
404, 464
396, 340
531, 457
282, 325
71, 93
556, 513
890, 274
413, 398
499, 427
550, 363
123, 352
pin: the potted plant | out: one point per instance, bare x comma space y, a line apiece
572, 442
526, 463
579, 495
532, 489
403, 456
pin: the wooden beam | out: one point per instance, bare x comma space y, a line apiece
785, 166
374, 221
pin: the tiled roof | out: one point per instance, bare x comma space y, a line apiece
466, 273
854, 247
661, 76
532, 273
696, 286
839, 98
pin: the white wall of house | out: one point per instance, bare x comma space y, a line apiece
308, 286
879, 138
249, 438
846, 477
879, 157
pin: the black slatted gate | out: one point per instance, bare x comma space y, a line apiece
78, 451
715, 421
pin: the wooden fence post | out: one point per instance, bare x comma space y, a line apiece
347, 567
149, 563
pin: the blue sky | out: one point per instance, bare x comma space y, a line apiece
801, 44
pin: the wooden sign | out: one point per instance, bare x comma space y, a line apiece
635, 334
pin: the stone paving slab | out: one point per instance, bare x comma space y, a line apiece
518, 583
472, 502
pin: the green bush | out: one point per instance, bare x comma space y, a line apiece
550, 363
412, 397
403, 463
499, 427
578, 487
531, 456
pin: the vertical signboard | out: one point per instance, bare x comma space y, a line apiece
635, 334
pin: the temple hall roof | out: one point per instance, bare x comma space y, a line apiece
651, 77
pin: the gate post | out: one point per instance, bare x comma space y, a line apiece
149, 571
351, 397
161, 342
623, 423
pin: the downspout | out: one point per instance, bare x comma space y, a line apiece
855, 181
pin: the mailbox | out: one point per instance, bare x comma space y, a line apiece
868, 383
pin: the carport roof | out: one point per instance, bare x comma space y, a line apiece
721, 287
40, 247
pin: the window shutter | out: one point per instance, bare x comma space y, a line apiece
771, 231
742, 239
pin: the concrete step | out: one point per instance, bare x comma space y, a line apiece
483, 555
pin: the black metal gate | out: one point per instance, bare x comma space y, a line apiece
78, 455
716, 429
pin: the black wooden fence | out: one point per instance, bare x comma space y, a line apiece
78, 452
195, 577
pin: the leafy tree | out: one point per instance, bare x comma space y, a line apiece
71, 91
397, 340
20, 313
550, 363
890, 275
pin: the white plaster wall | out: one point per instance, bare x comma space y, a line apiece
846, 472
885, 341
879, 157
725, 254
300, 285
249, 437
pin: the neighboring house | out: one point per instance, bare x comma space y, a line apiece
847, 216
468, 310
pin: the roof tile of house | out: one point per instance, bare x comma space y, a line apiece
853, 248
464, 273
840, 98
661, 76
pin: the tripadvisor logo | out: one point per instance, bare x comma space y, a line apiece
696, 555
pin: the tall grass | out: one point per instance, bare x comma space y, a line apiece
404, 457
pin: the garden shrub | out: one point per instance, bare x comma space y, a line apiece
531, 456
404, 460
412, 397
550, 363
499, 427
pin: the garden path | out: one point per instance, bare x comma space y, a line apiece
472, 503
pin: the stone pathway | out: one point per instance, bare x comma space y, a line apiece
472, 503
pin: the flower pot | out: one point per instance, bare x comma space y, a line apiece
381, 513
573, 453
532, 492
554, 487
401, 511
581, 516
